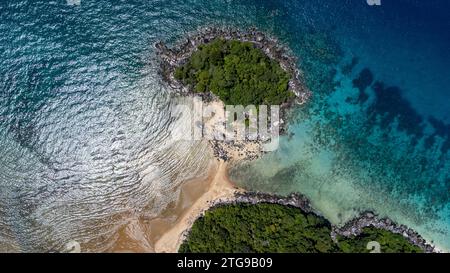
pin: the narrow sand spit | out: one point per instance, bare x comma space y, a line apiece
220, 188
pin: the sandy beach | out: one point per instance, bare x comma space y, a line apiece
166, 232
220, 188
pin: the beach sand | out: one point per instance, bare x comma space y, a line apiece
165, 233
220, 188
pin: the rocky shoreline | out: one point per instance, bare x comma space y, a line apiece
370, 219
177, 55
352, 228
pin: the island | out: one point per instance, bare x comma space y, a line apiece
226, 66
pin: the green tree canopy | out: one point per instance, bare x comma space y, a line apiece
237, 72
275, 228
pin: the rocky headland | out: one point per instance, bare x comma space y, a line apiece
352, 228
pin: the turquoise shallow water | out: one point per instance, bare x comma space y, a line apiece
375, 135
84, 143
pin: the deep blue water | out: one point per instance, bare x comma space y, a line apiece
84, 142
